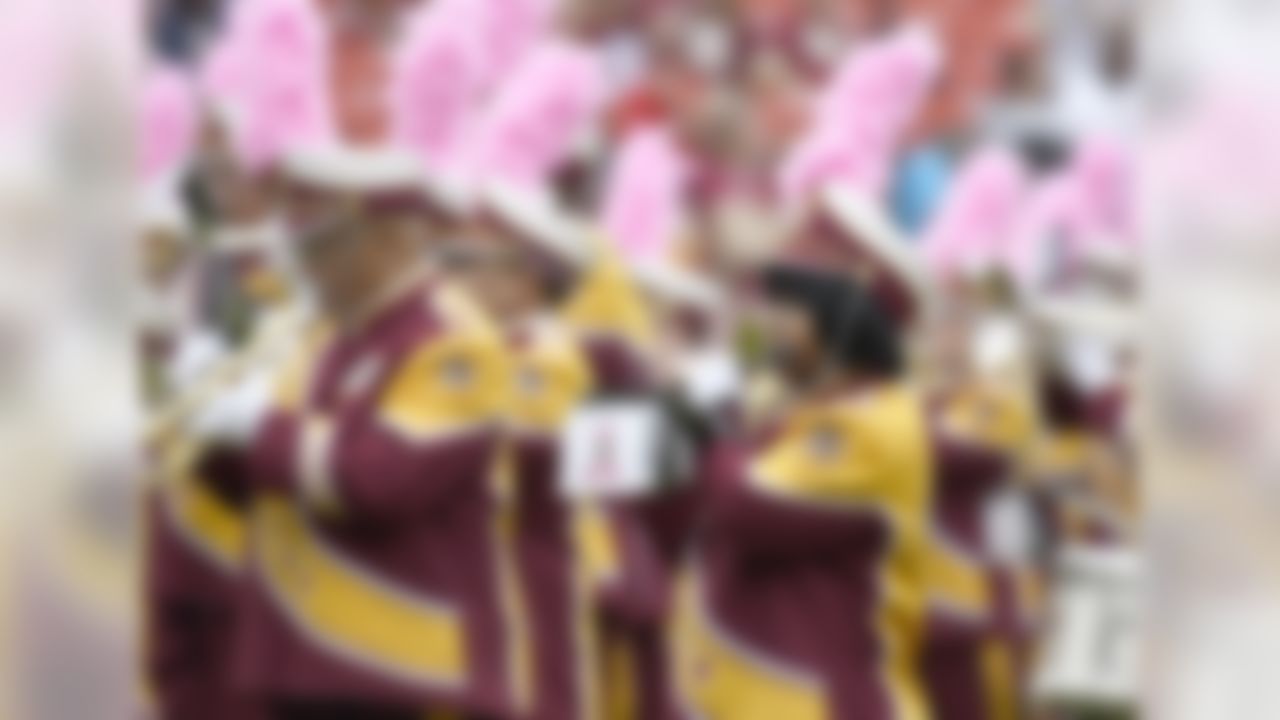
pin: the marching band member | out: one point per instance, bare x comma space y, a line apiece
587, 566
194, 512
523, 254
243, 240
644, 215
617, 327
983, 602
980, 600
194, 547
699, 379
375, 588
1079, 464
1083, 482
803, 595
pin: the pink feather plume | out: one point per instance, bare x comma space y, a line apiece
168, 123
1049, 232
1104, 171
539, 112
1084, 208
509, 30
271, 73
645, 193
862, 115
977, 220
436, 83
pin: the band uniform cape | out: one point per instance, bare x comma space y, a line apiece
803, 597
380, 571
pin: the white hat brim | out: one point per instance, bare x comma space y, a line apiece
535, 215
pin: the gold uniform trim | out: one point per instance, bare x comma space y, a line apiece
720, 677
549, 380
956, 581
206, 523
588, 643
993, 416
414, 638
214, 528
597, 546
999, 679
511, 596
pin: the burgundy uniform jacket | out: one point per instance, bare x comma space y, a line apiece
803, 598
381, 569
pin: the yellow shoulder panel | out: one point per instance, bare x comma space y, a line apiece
872, 450
551, 378
449, 384
608, 302
995, 416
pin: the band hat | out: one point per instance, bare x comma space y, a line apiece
1099, 317
847, 232
353, 169
447, 195
374, 177
669, 281
1096, 317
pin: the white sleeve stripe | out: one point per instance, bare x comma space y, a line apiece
315, 464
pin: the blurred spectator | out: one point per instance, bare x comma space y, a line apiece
920, 184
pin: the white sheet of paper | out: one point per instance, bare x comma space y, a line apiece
1092, 653
611, 450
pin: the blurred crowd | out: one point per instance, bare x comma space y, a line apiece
735, 79
542, 359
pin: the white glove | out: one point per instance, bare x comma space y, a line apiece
197, 353
1009, 528
996, 345
236, 414
709, 378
